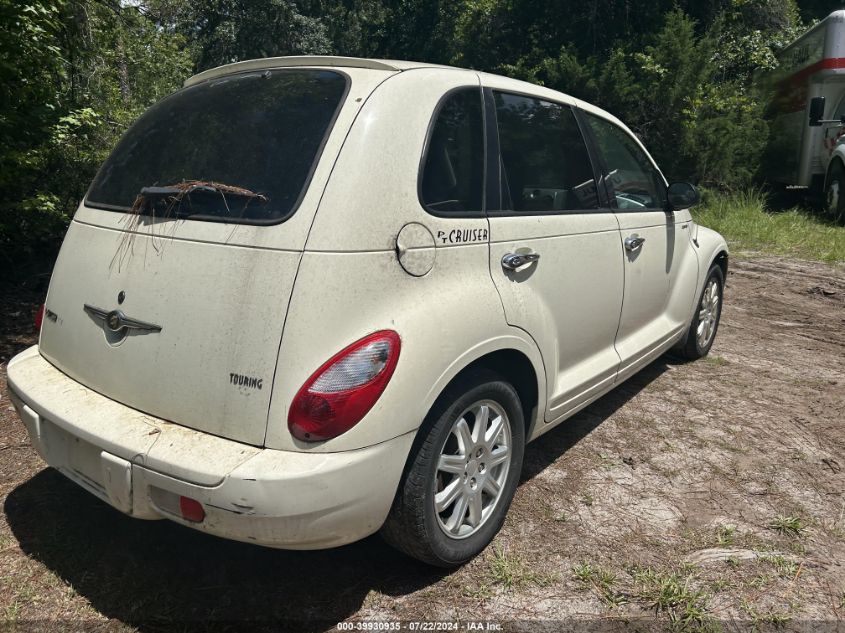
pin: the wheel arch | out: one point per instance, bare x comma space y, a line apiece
515, 360
721, 260
516, 368
712, 249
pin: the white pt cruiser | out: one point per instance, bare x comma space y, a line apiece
307, 299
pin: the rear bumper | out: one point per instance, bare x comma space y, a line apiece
141, 465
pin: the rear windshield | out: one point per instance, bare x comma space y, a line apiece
236, 149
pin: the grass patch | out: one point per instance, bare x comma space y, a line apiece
601, 579
760, 581
510, 571
778, 619
481, 591
10, 613
788, 526
671, 593
745, 221
784, 567
725, 534
721, 584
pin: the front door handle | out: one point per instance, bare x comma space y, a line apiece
633, 243
512, 261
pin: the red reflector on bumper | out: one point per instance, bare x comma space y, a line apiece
191, 510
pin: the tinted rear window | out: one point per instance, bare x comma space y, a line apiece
260, 132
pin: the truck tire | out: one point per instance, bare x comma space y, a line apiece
834, 192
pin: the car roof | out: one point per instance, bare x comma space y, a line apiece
390, 65
331, 61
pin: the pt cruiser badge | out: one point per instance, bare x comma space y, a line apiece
117, 321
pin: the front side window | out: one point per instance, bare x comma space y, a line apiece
636, 183
240, 148
453, 171
545, 164
840, 109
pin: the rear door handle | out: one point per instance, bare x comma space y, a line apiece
512, 261
633, 243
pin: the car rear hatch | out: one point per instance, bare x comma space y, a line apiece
172, 285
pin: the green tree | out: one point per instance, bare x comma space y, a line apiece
31, 66
225, 31
74, 74
356, 28
814, 10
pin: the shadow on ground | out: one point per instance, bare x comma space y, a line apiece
548, 448
152, 575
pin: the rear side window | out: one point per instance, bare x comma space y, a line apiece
545, 165
240, 148
636, 183
453, 170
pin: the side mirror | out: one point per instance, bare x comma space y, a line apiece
682, 195
816, 111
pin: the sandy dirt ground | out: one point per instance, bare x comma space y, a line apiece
701, 496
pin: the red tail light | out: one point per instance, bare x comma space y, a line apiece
39, 316
191, 510
341, 392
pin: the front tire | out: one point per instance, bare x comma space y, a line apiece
461, 475
705, 321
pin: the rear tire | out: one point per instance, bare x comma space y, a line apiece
705, 320
461, 474
834, 192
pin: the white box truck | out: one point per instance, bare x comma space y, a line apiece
806, 145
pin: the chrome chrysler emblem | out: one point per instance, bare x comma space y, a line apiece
116, 321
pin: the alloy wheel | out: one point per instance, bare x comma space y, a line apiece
472, 469
708, 313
